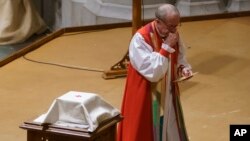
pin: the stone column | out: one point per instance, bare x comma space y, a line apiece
50, 11
200, 7
238, 5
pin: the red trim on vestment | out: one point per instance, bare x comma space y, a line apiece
164, 52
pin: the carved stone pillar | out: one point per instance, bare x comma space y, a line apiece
238, 5
200, 7
50, 11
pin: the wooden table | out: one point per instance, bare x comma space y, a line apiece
105, 132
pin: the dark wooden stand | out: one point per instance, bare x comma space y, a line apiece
105, 132
120, 68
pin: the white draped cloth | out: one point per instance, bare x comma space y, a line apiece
78, 110
19, 20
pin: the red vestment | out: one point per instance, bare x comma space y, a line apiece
137, 101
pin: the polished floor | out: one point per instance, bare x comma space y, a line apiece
212, 100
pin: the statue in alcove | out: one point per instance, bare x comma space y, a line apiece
19, 20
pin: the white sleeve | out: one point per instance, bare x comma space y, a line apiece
152, 65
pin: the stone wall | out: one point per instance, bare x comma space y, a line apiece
65, 13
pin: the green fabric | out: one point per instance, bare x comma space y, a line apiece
156, 116
156, 113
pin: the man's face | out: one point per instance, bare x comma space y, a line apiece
168, 26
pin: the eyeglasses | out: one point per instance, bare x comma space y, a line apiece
169, 26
